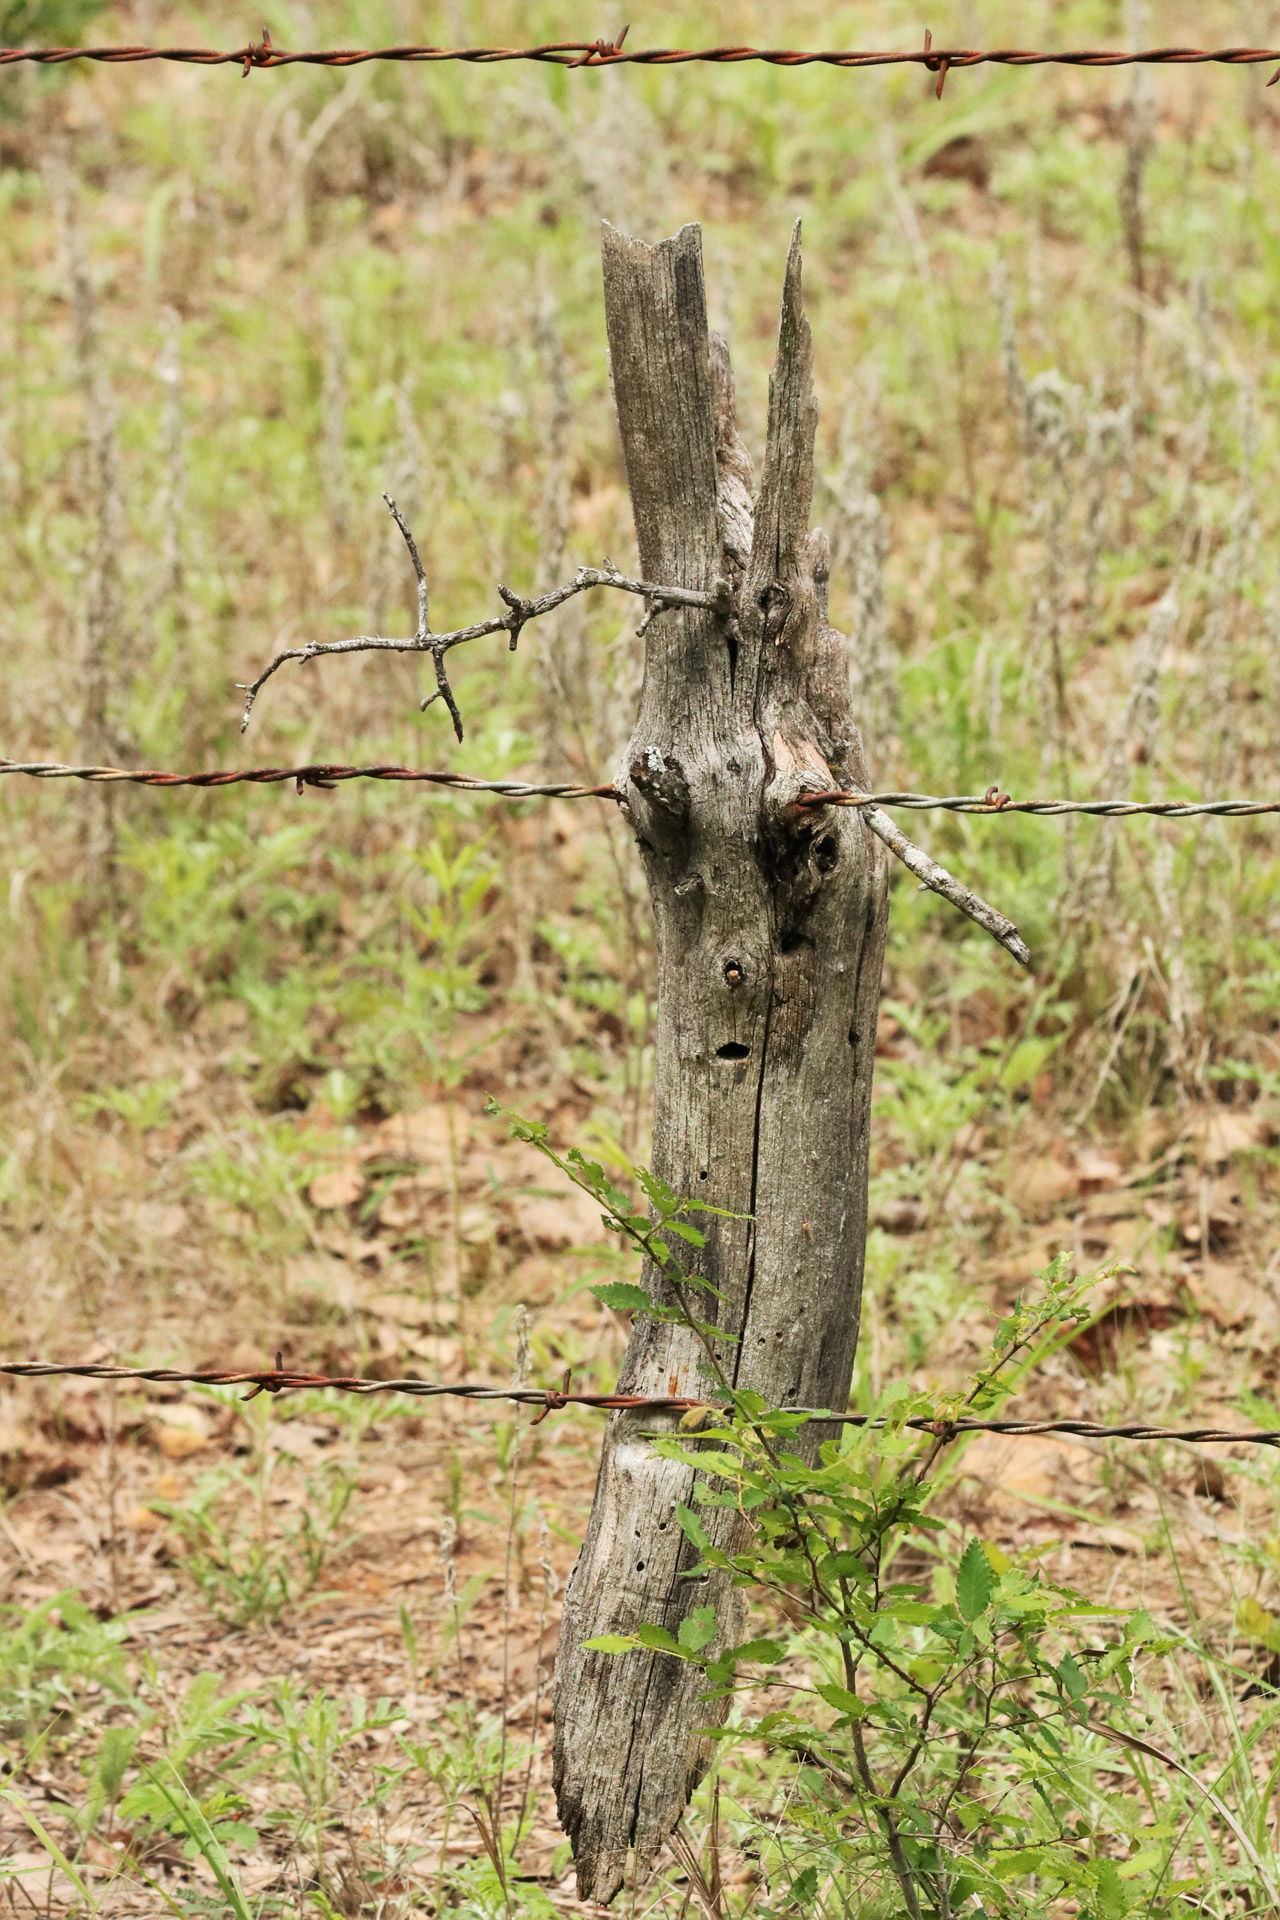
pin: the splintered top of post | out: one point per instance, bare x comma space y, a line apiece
786, 482
659, 356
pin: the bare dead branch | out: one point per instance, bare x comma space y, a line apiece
519, 612
424, 616
931, 875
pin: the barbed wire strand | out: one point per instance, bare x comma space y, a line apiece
995, 802
280, 1379
321, 775
595, 54
324, 774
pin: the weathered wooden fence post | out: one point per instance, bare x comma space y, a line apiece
770, 937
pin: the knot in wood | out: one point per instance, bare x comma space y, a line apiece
521, 612
775, 604
661, 782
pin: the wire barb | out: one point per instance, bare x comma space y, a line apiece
259, 56
936, 63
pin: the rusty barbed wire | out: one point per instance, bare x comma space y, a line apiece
281, 1379
323, 774
595, 54
320, 775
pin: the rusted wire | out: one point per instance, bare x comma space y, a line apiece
280, 1379
612, 53
320, 775
323, 774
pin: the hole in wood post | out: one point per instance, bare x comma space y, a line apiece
732, 1050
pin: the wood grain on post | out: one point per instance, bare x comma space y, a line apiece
770, 925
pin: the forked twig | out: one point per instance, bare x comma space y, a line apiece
519, 613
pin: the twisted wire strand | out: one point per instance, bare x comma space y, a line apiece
550, 1399
320, 775
325, 774
289, 1380
611, 53
993, 802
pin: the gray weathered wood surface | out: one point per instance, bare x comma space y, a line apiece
770, 933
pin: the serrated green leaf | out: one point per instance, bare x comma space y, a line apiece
916, 1613
623, 1297
973, 1581
686, 1232
849, 1566
1074, 1683
692, 1528
1144, 1862
1031, 1602
698, 1284
927, 1672
841, 1699
658, 1640
611, 1643
764, 1653
1140, 1627
804, 1888
721, 1465
1113, 1895
664, 1200
697, 1629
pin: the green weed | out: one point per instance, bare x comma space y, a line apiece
250, 1563
48, 1654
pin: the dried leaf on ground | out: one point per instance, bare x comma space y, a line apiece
1096, 1171
429, 1137
1011, 1473
1231, 1299
340, 1186
322, 1278
552, 1224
